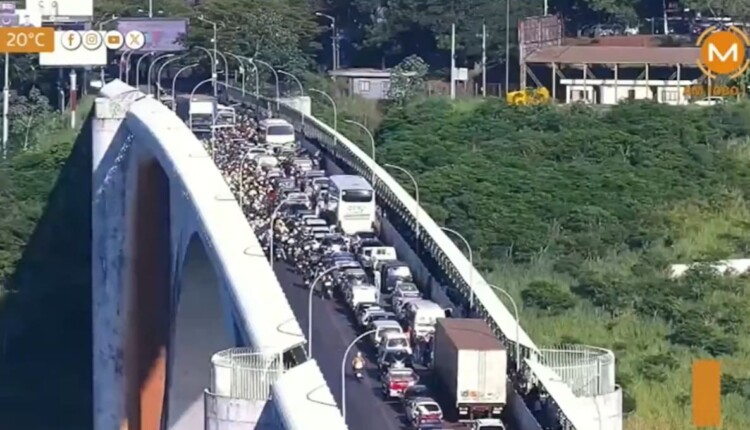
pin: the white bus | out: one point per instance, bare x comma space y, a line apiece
351, 203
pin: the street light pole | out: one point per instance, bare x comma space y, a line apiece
276, 77
257, 75
471, 263
301, 93
335, 111
372, 145
158, 74
150, 70
214, 62
507, 46
174, 84
309, 308
343, 369
101, 29
518, 324
138, 69
416, 193
334, 40
241, 69
190, 115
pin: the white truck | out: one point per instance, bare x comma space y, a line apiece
471, 363
198, 112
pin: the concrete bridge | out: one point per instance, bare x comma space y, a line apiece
179, 276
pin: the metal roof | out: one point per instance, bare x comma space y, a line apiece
349, 182
615, 55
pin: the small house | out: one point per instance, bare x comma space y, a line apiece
365, 82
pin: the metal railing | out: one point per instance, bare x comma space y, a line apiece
245, 373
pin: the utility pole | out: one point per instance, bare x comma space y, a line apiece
666, 24
546, 7
484, 60
507, 46
453, 61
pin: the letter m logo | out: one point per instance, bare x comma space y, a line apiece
713, 53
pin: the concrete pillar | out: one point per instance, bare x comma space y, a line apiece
109, 115
107, 247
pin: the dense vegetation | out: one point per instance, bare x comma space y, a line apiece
579, 214
45, 317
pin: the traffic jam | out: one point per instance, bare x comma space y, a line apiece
324, 227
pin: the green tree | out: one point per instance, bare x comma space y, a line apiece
30, 118
548, 297
407, 79
282, 33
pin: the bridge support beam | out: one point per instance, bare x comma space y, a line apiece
108, 242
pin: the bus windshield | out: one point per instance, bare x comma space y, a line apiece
356, 196
280, 130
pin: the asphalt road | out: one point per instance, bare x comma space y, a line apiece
333, 331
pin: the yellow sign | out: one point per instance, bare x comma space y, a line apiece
723, 52
706, 393
27, 40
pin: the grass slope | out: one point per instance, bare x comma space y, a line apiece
578, 214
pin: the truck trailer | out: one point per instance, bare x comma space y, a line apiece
471, 364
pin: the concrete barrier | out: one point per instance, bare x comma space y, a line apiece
456, 279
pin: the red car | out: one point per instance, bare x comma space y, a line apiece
397, 380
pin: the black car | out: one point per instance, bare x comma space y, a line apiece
415, 392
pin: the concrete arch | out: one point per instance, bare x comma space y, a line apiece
155, 183
202, 323
148, 297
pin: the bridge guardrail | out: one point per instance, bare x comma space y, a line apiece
229, 240
458, 268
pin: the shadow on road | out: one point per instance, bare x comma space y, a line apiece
45, 322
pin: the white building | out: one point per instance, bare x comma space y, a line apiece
611, 91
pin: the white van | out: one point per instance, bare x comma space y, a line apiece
363, 293
276, 131
421, 316
369, 256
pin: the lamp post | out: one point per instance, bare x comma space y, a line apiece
161, 69
138, 68
101, 29
251, 62
334, 40
214, 74
241, 69
309, 307
125, 59
150, 70
214, 61
372, 146
174, 84
471, 263
343, 369
213, 116
333, 104
416, 193
518, 324
271, 227
301, 93
276, 77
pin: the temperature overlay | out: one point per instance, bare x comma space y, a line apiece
27, 40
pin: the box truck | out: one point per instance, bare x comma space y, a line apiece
471, 363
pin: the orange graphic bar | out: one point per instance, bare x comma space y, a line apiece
707, 393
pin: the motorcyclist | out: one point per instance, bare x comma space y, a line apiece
358, 363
